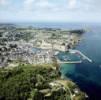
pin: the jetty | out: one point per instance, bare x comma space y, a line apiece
69, 62
81, 54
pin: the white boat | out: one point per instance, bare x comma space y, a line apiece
65, 58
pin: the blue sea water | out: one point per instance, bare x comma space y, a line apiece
86, 75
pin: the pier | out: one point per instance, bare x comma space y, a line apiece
69, 62
81, 54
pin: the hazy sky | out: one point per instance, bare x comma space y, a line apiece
50, 10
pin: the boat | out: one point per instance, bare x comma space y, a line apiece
65, 58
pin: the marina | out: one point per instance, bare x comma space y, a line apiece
84, 57
72, 57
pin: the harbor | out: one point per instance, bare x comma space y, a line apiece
84, 57
72, 57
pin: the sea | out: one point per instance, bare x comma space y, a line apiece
86, 75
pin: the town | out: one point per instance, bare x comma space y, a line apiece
34, 45
32, 52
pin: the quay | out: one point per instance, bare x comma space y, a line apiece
69, 62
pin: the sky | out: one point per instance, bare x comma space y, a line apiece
50, 10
